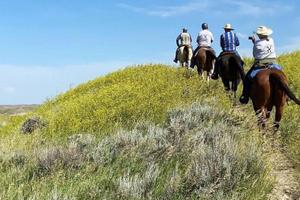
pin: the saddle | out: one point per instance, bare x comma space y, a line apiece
226, 53
264, 67
206, 49
233, 54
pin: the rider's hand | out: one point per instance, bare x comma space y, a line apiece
252, 38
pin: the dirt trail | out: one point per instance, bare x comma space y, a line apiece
287, 186
283, 172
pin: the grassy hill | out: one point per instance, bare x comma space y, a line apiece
146, 131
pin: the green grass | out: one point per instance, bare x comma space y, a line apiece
122, 98
290, 128
103, 161
198, 152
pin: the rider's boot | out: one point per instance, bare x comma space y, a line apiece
176, 57
244, 99
215, 74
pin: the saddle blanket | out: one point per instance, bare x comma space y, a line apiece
258, 69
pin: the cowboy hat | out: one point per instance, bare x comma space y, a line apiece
228, 26
263, 30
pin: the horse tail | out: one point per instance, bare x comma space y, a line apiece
279, 77
210, 54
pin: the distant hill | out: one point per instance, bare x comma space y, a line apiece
17, 109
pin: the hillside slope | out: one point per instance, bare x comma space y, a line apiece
83, 154
125, 97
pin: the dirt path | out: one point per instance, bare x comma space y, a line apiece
283, 172
287, 185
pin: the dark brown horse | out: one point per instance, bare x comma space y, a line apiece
230, 71
204, 60
270, 89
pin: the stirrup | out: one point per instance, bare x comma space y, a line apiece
244, 99
214, 76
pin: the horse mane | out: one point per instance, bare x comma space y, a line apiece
277, 76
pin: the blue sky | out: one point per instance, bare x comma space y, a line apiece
47, 47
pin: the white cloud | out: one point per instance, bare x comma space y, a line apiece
242, 35
258, 9
240, 7
169, 11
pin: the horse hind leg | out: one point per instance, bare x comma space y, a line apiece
234, 88
208, 76
278, 116
199, 69
208, 68
269, 110
261, 118
203, 75
226, 85
188, 63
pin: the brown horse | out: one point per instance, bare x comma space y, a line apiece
204, 60
270, 89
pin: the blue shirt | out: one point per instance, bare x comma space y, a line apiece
229, 41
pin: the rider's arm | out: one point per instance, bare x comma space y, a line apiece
237, 42
253, 39
177, 40
191, 38
222, 42
212, 38
198, 39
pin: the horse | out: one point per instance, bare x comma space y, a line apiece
185, 54
204, 60
230, 72
270, 89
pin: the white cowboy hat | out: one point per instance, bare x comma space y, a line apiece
263, 30
228, 26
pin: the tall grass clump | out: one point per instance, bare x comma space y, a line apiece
198, 152
290, 125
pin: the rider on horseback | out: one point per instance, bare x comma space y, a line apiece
205, 39
228, 41
184, 39
264, 54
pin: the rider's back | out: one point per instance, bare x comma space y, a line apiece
205, 38
229, 41
264, 49
185, 39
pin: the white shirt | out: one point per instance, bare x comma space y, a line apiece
205, 38
264, 49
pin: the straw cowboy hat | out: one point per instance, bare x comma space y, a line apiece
228, 26
263, 30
